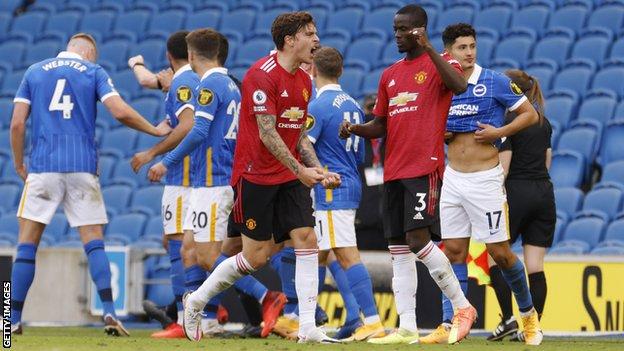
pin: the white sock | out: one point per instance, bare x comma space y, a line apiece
229, 271
180, 317
306, 284
404, 284
442, 273
372, 319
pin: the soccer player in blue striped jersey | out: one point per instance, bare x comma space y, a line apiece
211, 142
177, 192
335, 208
60, 95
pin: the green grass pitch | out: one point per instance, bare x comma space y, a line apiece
93, 339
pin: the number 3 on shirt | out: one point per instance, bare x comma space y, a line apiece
66, 106
233, 109
354, 140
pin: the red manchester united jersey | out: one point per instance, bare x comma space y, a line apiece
270, 90
415, 103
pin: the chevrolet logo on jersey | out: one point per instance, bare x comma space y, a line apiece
403, 98
293, 114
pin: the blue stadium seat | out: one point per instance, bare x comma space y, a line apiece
10, 194
348, 19
351, 80
105, 168
365, 50
41, 51
485, 47
168, 21
133, 21
582, 140
614, 235
604, 200
532, 17
609, 17
148, 197
65, 22
252, 50
320, 17
559, 228
8, 224
31, 23
610, 77
617, 50
6, 110
10, 5
613, 172
130, 225
553, 48
503, 64
240, 21
265, 19
561, 106
568, 200
599, 108
619, 110
154, 226
390, 54
115, 52
568, 250
117, 197
583, 232
454, 15
608, 251
542, 69
516, 49
371, 81
576, 79
125, 80
11, 82
203, 19
572, 17
58, 227
567, 169
160, 294
496, 18
148, 108
593, 48
12, 53
611, 149
124, 174
122, 139
382, 19
152, 50
5, 22
238, 72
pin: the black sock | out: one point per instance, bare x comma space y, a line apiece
503, 293
538, 287
251, 307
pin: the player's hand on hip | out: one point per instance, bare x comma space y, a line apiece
164, 78
331, 181
487, 133
163, 128
156, 172
310, 176
420, 35
345, 129
134, 60
140, 159
21, 171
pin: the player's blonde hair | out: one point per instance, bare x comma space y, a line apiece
86, 36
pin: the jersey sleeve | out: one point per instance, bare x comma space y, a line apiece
507, 92
257, 85
105, 88
454, 63
207, 100
315, 121
23, 92
184, 95
381, 104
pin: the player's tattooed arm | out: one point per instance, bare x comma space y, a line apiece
306, 151
272, 140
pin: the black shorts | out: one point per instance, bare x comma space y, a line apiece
532, 211
410, 204
262, 212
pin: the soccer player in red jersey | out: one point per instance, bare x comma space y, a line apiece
274, 166
413, 100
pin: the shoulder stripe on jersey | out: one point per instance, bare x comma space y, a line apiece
183, 107
204, 115
26, 101
268, 62
270, 68
112, 93
518, 103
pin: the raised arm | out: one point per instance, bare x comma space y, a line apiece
128, 116
145, 77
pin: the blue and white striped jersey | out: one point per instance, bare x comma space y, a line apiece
63, 93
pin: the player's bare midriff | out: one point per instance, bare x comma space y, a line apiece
467, 156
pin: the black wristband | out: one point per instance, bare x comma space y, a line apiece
138, 64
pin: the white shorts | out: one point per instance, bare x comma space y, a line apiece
175, 201
335, 229
474, 204
79, 193
209, 210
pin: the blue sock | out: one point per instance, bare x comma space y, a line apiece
322, 273
461, 271
22, 277
99, 267
351, 305
276, 262
194, 276
362, 289
287, 276
516, 279
247, 284
177, 271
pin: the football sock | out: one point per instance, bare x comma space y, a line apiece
247, 284
461, 272
287, 277
503, 293
322, 272
99, 267
362, 288
517, 281
306, 285
276, 262
538, 288
22, 276
177, 272
342, 282
404, 284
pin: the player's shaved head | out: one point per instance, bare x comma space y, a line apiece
288, 24
328, 62
454, 31
208, 44
176, 45
84, 45
417, 15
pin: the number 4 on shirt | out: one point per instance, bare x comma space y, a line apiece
66, 106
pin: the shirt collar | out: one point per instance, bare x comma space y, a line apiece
221, 70
67, 54
474, 77
181, 70
328, 87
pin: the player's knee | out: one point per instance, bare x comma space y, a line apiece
347, 257
304, 238
503, 258
417, 240
455, 253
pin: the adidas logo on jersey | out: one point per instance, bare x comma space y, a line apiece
418, 216
391, 84
284, 94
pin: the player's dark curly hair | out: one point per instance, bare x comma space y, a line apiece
454, 31
209, 44
288, 24
176, 45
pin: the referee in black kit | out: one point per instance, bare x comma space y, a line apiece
526, 158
